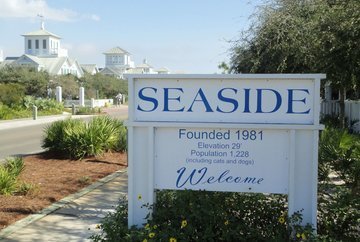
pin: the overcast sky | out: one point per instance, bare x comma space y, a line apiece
188, 36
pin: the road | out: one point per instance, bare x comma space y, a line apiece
28, 139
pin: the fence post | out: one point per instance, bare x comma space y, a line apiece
58, 94
73, 109
34, 112
82, 97
92, 103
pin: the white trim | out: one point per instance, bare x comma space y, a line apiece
130, 123
291, 191
151, 157
131, 98
315, 180
226, 76
131, 177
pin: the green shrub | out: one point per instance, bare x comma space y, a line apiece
62, 136
24, 109
77, 139
9, 173
7, 182
24, 188
88, 111
339, 152
43, 104
11, 94
208, 216
12, 113
338, 214
14, 165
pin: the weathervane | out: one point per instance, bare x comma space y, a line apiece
42, 21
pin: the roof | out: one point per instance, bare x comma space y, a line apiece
144, 65
41, 32
113, 70
116, 50
12, 58
52, 65
162, 69
89, 67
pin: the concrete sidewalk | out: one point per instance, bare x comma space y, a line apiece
15, 123
74, 218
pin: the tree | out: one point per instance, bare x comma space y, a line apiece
302, 36
106, 86
34, 82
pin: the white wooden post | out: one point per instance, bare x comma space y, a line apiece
81, 97
58, 94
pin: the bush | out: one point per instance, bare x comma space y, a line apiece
77, 139
339, 152
23, 109
9, 173
12, 113
61, 136
88, 110
11, 94
7, 182
208, 216
338, 214
49, 105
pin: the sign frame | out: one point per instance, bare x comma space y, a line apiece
303, 145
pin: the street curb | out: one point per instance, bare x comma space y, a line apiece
4, 233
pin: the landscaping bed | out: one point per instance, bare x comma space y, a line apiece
53, 179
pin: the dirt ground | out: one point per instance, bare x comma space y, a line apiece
54, 179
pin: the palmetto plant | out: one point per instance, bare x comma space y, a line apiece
77, 139
9, 173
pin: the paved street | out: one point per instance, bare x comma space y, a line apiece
22, 137
21, 140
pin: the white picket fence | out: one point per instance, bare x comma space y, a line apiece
352, 109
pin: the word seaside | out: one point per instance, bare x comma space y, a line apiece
237, 133
226, 100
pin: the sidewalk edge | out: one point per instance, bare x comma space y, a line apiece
4, 233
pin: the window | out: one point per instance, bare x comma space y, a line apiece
37, 44
44, 43
29, 43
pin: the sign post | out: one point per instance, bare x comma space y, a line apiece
238, 133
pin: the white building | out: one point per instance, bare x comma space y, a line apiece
44, 53
118, 62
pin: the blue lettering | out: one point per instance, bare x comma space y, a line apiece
167, 99
259, 100
291, 101
191, 178
181, 133
148, 99
227, 100
222, 176
196, 177
202, 99
247, 101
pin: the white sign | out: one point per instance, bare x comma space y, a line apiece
225, 100
238, 133
233, 160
